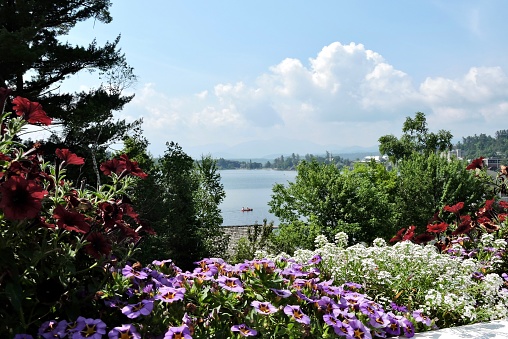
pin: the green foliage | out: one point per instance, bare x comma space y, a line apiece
258, 237
485, 145
425, 184
324, 199
295, 235
180, 201
415, 139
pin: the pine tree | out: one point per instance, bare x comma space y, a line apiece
34, 61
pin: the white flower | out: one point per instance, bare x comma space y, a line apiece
341, 239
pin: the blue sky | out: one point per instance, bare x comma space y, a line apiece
306, 76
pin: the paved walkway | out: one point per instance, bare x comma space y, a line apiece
493, 329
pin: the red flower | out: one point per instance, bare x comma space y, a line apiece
71, 221
455, 208
503, 204
437, 228
68, 157
424, 238
122, 167
465, 225
409, 234
476, 163
112, 166
21, 198
131, 167
31, 111
98, 245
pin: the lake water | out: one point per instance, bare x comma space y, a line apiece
253, 189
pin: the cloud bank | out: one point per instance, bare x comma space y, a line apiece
346, 95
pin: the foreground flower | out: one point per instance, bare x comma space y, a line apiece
98, 245
30, 111
94, 329
178, 333
71, 221
296, 313
21, 198
263, 307
244, 330
124, 332
230, 284
68, 157
170, 294
475, 164
144, 307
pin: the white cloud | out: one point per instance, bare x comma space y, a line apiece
344, 96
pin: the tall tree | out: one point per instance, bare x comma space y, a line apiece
415, 138
34, 61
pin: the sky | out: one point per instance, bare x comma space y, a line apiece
257, 78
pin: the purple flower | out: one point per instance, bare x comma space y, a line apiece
263, 307
326, 304
315, 259
379, 320
124, 331
418, 315
359, 330
330, 319
178, 333
343, 329
398, 308
49, 329
170, 294
408, 328
296, 313
129, 271
244, 330
94, 329
230, 284
504, 276
135, 310
393, 328
281, 293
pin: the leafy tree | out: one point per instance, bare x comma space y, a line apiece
258, 237
358, 202
207, 198
179, 200
415, 138
425, 184
35, 61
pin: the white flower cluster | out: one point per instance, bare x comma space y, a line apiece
438, 283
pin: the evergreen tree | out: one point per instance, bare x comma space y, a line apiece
35, 61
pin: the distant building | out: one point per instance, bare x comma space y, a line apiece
492, 163
454, 153
376, 158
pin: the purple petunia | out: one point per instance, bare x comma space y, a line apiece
263, 307
296, 313
359, 330
178, 333
124, 331
93, 329
244, 330
170, 294
281, 293
420, 317
230, 284
129, 271
144, 307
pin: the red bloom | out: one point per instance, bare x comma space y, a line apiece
31, 111
71, 221
424, 238
398, 236
112, 166
409, 234
98, 245
476, 163
68, 157
465, 225
503, 204
132, 167
122, 167
437, 228
455, 208
21, 198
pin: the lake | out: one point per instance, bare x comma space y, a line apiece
253, 189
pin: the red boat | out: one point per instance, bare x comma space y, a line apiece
246, 209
